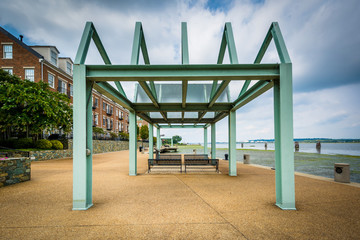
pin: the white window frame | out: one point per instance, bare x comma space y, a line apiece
32, 78
63, 87
68, 68
71, 89
9, 70
53, 60
6, 54
53, 83
96, 119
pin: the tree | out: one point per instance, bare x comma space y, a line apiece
97, 131
176, 139
32, 107
144, 132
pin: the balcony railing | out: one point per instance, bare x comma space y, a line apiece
109, 113
94, 106
121, 118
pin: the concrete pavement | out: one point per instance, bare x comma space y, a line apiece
174, 206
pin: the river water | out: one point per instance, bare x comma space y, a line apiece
326, 148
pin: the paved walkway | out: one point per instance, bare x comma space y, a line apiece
174, 206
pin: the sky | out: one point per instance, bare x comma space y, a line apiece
321, 36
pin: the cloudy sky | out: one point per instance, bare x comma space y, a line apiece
322, 37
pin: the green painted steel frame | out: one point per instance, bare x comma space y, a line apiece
277, 76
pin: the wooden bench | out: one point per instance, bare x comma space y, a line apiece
166, 160
200, 160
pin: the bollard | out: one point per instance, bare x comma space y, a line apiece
246, 158
342, 172
226, 156
242, 145
265, 146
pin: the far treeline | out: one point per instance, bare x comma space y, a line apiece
314, 140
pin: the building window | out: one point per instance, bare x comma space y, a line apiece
104, 106
9, 70
71, 89
51, 80
68, 68
104, 121
96, 102
96, 119
53, 57
62, 87
8, 51
30, 74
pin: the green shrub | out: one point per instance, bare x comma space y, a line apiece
43, 144
56, 144
124, 136
113, 135
24, 143
8, 143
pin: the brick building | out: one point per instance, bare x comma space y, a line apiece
42, 63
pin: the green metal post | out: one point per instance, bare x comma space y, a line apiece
232, 143
132, 144
151, 141
205, 141
213, 141
284, 154
82, 164
158, 140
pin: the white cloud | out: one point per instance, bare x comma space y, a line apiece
320, 35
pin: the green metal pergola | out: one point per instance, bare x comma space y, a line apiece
183, 96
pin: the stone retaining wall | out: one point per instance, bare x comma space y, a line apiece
100, 146
14, 170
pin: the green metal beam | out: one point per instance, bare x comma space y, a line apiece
164, 115
88, 34
145, 117
176, 107
227, 40
179, 120
184, 59
218, 92
255, 91
84, 44
232, 144
149, 93
194, 72
273, 32
182, 126
110, 92
280, 43
220, 116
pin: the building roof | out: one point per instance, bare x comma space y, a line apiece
12, 37
46, 46
67, 58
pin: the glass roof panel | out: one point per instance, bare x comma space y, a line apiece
174, 114
169, 92
155, 115
209, 115
191, 115
235, 89
141, 96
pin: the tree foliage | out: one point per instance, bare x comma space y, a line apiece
176, 139
26, 105
144, 132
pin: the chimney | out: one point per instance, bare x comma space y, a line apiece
21, 37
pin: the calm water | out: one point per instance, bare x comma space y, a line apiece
326, 148
310, 162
